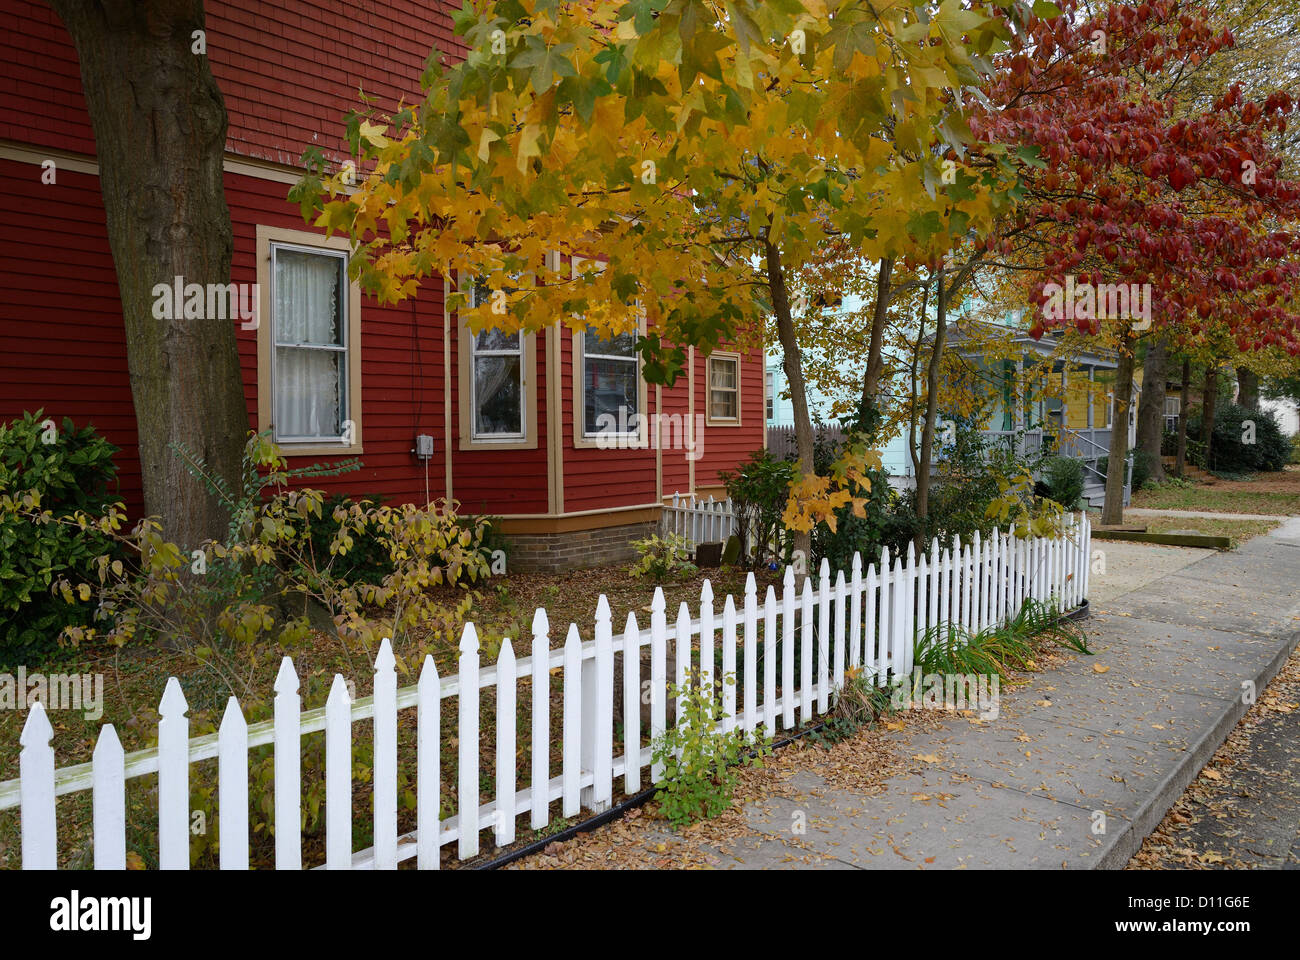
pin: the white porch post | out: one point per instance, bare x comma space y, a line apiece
1091, 396
1016, 399
1065, 402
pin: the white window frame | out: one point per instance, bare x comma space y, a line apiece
470, 438
769, 389
343, 348
520, 351
268, 239
601, 439
709, 419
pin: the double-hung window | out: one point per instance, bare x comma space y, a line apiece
769, 384
723, 400
310, 327
497, 382
611, 388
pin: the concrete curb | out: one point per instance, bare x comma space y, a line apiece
1117, 852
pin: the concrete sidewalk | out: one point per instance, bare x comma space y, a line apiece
1031, 788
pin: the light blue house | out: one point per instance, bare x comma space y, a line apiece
1076, 421
780, 411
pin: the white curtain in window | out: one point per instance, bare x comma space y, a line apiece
307, 381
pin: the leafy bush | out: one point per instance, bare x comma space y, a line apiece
1063, 481
879, 525
46, 476
699, 760
269, 579
1295, 448
663, 559
759, 491
367, 562
1237, 448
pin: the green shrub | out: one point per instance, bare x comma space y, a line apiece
367, 562
1063, 481
1239, 449
699, 760
47, 475
759, 490
268, 579
662, 559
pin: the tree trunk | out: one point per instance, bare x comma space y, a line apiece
1112, 511
931, 412
875, 350
790, 360
1151, 405
1247, 388
1209, 403
160, 135
1180, 463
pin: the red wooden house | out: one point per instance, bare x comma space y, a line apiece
514, 424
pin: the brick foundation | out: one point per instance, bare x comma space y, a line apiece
576, 549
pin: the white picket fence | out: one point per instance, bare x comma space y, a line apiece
871, 621
699, 521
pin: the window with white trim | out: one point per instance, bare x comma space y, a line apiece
1173, 405
724, 388
497, 379
769, 393
310, 356
611, 387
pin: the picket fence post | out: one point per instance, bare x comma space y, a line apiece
505, 724
338, 777
174, 780
571, 729
428, 764
539, 790
288, 775
232, 795
823, 636
109, 801
769, 660
658, 676
385, 767
631, 705
36, 775
467, 786
728, 678
787, 649
751, 653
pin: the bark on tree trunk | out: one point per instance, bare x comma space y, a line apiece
931, 411
1209, 403
1112, 511
160, 135
1151, 405
1180, 462
875, 351
1248, 388
790, 360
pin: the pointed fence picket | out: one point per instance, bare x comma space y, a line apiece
796, 649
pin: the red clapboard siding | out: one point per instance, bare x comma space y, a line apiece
596, 479
675, 433
64, 349
288, 71
500, 481
722, 448
60, 318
